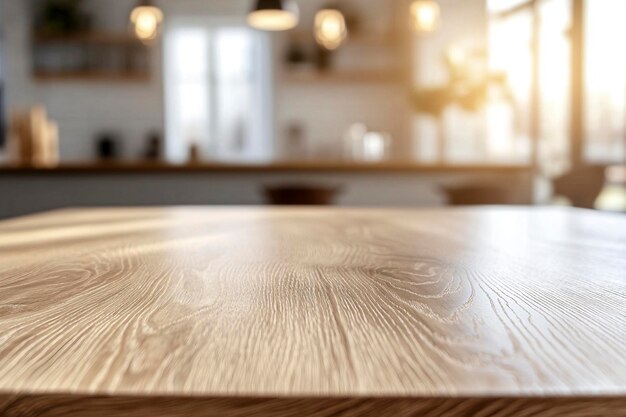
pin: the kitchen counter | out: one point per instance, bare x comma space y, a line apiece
287, 166
392, 184
329, 312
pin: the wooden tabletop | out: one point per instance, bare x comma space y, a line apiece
326, 312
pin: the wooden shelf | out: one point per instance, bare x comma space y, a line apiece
360, 38
120, 38
95, 76
93, 41
343, 77
303, 166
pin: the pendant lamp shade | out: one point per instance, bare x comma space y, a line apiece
274, 15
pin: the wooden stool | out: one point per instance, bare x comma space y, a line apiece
304, 195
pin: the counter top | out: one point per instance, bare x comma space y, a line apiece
327, 312
292, 166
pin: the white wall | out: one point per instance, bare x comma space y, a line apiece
135, 109
326, 110
82, 110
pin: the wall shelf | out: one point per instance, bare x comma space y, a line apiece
357, 38
343, 77
97, 56
53, 76
120, 38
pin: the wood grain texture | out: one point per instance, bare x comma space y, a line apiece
108, 406
327, 310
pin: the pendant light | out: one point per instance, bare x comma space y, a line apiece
274, 15
426, 15
330, 28
146, 19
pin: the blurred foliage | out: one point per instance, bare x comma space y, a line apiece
466, 88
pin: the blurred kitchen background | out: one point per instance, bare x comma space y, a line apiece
349, 102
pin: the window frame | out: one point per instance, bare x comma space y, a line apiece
578, 132
263, 149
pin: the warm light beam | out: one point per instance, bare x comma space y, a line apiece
426, 15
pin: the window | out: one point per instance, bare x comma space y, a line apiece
509, 119
554, 82
530, 49
534, 88
218, 91
605, 81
